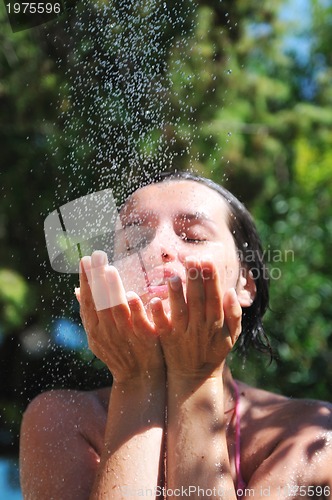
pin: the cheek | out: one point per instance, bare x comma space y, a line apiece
132, 274
227, 263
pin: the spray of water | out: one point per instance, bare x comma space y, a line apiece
127, 83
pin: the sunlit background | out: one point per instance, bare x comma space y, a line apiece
237, 90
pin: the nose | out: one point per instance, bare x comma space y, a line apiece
164, 247
167, 255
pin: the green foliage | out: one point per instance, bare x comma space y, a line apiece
299, 322
313, 163
15, 300
235, 106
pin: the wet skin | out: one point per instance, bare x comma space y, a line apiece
184, 337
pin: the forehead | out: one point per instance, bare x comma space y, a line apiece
176, 197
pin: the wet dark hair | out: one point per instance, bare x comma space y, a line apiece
250, 252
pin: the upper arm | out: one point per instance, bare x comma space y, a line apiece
56, 458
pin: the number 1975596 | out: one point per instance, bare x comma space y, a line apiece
33, 8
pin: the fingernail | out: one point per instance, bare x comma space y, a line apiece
175, 283
190, 262
131, 296
155, 304
99, 258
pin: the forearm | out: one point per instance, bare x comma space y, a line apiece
197, 454
133, 455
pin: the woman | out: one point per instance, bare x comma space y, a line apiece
175, 422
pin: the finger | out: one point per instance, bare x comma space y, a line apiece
99, 286
77, 292
117, 293
233, 314
159, 316
177, 302
195, 290
87, 309
85, 268
140, 322
213, 292
117, 313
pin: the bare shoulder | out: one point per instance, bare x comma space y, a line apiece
278, 410
61, 431
292, 442
62, 410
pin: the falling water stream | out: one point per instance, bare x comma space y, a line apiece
121, 111
127, 109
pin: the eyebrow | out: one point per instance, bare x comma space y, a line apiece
200, 216
135, 218
138, 218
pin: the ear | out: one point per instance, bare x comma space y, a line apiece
246, 288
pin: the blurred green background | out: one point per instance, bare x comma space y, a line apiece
246, 100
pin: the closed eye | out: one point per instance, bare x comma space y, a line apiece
192, 239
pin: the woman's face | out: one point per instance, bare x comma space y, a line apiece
164, 223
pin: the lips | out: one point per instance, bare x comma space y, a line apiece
160, 291
160, 275
157, 281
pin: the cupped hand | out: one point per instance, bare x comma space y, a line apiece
202, 327
118, 330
